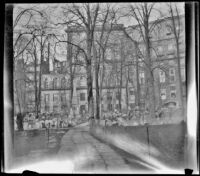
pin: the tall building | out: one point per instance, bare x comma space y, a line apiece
111, 85
122, 75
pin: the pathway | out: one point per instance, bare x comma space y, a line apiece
89, 154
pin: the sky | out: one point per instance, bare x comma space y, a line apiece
56, 13
161, 6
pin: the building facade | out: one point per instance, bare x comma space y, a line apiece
122, 75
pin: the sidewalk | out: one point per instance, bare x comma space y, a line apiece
90, 155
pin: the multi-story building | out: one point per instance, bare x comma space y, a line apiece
26, 81
112, 88
120, 72
164, 61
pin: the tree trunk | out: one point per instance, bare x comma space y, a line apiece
179, 78
150, 81
121, 74
89, 91
40, 80
120, 89
96, 83
150, 84
127, 79
138, 84
101, 87
39, 92
177, 36
35, 79
89, 76
71, 87
69, 58
18, 100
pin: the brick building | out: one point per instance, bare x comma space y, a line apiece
120, 48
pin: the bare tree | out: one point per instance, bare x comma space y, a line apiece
107, 21
176, 28
85, 18
142, 13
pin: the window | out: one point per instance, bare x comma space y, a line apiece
55, 83
64, 63
132, 98
172, 71
182, 62
29, 107
172, 74
117, 56
142, 49
131, 105
109, 97
170, 55
46, 108
117, 106
55, 98
163, 94
182, 74
160, 50
117, 96
63, 83
170, 47
177, 28
55, 108
108, 54
168, 33
31, 97
46, 98
141, 78
82, 81
131, 92
102, 106
173, 91
82, 96
162, 76
63, 107
63, 98
173, 94
171, 62
82, 109
110, 107
46, 83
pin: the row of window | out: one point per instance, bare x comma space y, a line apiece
82, 97
55, 98
55, 108
110, 106
163, 93
62, 97
109, 96
55, 83
162, 49
63, 108
162, 76
172, 77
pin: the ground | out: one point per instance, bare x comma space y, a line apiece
89, 153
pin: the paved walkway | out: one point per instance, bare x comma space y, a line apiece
88, 154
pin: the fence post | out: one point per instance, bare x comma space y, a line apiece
148, 139
47, 137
